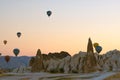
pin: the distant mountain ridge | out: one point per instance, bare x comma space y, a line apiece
14, 62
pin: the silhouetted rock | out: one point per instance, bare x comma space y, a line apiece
44, 61
46, 57
90, 46
83, 62
32, 61
57, 55
38, 63
90, 61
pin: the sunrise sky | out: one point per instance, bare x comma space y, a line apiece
68, 28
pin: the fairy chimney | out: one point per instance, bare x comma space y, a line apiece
37, 66
32, 61
90, 47
90, 62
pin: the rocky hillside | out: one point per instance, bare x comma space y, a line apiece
39, 63
109, 61
77, 63
83, 62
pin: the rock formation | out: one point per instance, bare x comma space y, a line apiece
57, 55
82, 62
59, 62
21, 69
77, 63
32, 61
110, 61
90, 61
90, 46
37, 64
44, 62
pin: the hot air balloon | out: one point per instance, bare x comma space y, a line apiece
5, 42
95, 44
16, 51
18, 34
0, 54
49, 13
7, 58
98, 49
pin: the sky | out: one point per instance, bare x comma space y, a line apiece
68, 28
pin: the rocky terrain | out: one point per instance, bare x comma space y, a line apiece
63, 62
83, 62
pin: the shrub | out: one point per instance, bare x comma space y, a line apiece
61, 70
53, 71
74, 71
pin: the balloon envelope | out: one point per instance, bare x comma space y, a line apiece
7, 58
18, 34
0, 54
5, 42
16, 51
98, 49
95, 44
49, 13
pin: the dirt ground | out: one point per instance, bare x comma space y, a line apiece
49, 76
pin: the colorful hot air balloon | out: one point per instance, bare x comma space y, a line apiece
5, 42
95, 44
7, 58
18, 34
16, 51
49, 13
98, 49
